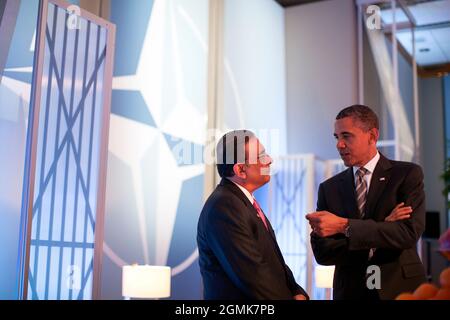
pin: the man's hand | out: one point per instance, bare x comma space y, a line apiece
324, 223
400, 212
300, 297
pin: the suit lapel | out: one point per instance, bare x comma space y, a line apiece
274, 240
380, 178
233, 188
348, 195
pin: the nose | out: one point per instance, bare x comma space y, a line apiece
340, 144
266, 160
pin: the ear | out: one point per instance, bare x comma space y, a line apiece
374, 135
239, 171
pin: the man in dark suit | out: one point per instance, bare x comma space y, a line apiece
238, 254
370, 216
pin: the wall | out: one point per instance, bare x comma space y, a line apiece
432, 144
321, 59
255, 69
255, 74
2, 8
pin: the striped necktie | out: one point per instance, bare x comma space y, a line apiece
361, 190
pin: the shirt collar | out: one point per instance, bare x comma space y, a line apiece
370, 166
245, 191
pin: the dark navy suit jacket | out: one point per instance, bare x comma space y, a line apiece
396, 255
239, 258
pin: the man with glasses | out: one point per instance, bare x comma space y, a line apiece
238, 254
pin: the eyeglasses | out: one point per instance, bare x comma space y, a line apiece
262, 155
264, 158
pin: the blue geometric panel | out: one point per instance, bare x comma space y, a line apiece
131, 105
15, 92
21, 76
185, 152
287, 215
292, 194
67, 165
153, 194
20, 54
132, 16
290, 200
184, 241
184, 280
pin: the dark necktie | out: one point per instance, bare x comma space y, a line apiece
260, 213
361, 190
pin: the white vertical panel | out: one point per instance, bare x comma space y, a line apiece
255, 68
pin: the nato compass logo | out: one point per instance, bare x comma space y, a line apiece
154, 196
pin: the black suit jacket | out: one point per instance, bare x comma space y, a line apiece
395, 242
239, 258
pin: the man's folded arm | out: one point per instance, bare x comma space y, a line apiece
331, 250
402, 234
328, 250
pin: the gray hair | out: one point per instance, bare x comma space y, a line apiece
231, 150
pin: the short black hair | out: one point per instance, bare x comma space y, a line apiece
231, 150
366, 116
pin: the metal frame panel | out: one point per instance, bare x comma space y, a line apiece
101, 192
31, 151
215, 86
31, 155
361, 7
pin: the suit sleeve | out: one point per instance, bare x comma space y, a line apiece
293, 285
291, 282
230, 237
328, 250
402, 234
